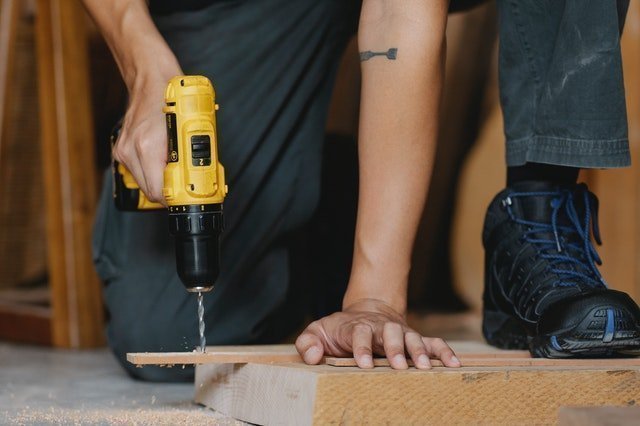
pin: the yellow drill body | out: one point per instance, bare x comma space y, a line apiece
194, 183
190, 177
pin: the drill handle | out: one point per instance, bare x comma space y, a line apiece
126, 192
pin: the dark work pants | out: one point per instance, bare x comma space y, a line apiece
273, 63
561, 84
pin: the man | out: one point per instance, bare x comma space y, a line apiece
273, 63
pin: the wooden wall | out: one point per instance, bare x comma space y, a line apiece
22, 229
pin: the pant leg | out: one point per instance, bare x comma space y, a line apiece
273, 63
561, 85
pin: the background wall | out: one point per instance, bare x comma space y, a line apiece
469, 167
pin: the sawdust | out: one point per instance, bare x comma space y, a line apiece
135, 417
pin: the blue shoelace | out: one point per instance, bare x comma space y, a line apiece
573, 260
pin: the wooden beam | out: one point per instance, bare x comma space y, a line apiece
619, 189
69, 172
303, 395
25, 323
9, 13
598, 416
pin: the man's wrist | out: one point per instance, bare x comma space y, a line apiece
378, 278
390, 292
373, 305
148, 72
140, 51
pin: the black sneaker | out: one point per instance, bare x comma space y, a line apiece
543, 290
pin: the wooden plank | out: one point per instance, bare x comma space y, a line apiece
9, 13
471, 38
274, 354
303, 395
22, 248
265, 354
25, 323
482, 177
243, 391
598, 416
69, 172
287, 353
619, 189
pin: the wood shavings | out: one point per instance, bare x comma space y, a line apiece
135, 417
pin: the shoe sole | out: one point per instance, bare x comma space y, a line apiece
604, 332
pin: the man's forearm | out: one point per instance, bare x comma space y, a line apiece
137, 46
402, 53
146, 63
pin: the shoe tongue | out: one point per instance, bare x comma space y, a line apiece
535, 204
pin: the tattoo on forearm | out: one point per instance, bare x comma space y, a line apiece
391, 54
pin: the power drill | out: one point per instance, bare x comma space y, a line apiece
194, 184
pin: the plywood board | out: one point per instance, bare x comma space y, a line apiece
264, 354
471, 354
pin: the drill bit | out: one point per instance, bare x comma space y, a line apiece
203, 341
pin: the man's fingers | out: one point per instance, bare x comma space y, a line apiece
361, 345
153, 176
417, 350
393, 342
438, 348
310, 347
153, 159
131, 161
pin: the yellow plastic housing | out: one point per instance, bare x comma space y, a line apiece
188, 181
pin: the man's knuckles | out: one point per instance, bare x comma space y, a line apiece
362, 350
362, 328
392, 327
306, 340
121, 152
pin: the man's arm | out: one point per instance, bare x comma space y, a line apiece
402, 45
146, 64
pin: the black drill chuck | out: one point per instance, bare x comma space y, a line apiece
197, 229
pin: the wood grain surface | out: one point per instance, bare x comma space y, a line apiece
483, 356
266, 354
69, 173
480, 360
271, 385
598, 416
302, 395
263, 354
